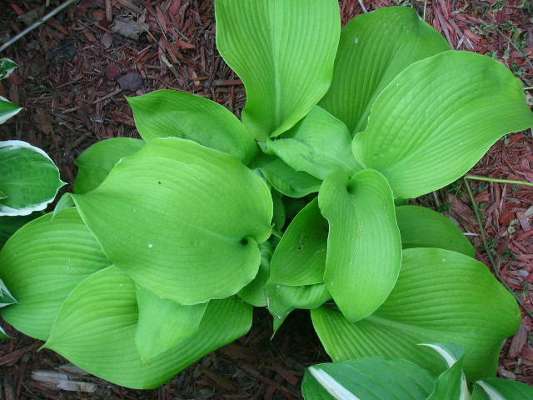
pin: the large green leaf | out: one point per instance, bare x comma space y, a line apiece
96, 326
162, 324
437, 118
317, 145
364, 245
42, 263
373, 49
95, 163
7, 109
165, 113
367, 379
284, 53
441, 296
423, 227
300, 257
501, 389
286, 180
183, 220
29, 180
9, 225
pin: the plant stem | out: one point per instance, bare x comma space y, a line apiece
498, 180
36, 24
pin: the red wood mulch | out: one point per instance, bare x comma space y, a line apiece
74, 72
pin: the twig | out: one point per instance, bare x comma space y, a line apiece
425, 9
362, 6
108, 11
483, 234
498, 180
481, 228
36, 24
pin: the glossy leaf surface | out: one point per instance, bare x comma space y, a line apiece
182, 220
364, 245
283, 51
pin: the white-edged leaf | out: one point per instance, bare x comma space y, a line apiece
8, 109
7, 66
29, 178
367, 379
501, 389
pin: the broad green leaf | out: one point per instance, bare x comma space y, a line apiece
95, 163
165, 113
6, 298
423, 227
364, 245
451, 384
163, 324
286, 180
367, 379
182, 220
41, 264
437, 118
373, 49
7, 109
501, 389
282, 300
29, 178
254, 293
96, 327
9, 225
318, 145
300, 257
284, 53
441, 296
7, 66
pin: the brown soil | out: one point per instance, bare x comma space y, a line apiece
73, 78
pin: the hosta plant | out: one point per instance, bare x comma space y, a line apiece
7, 108
29, 181
397, 379
169, 240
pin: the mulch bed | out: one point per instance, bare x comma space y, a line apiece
74, 74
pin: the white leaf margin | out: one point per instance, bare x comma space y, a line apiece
6, 211
450, 360
491, 392
8, 71
332, 386
6, 116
